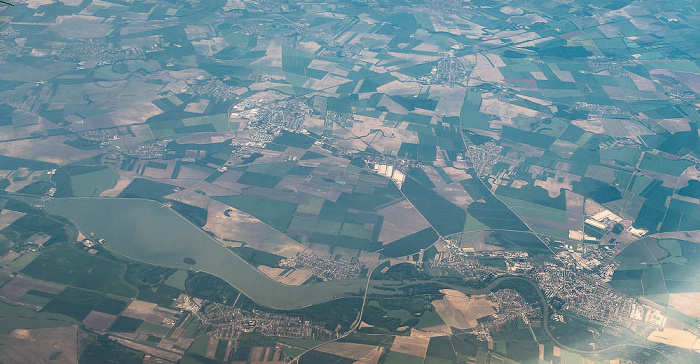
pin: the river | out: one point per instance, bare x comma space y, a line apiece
150, 232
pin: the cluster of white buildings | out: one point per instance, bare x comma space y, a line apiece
389, 171
603, 220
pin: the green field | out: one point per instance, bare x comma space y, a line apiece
444, 216
492, 212
66, 265
627, 156
14, 317
410, 244
18, 264
125, 324
151, 327
92, 184
157, 165
529, 209
659, 164
36, 298
143, 188
259, 179
430, 318
267, 122
177, 279
401, 358
654, 268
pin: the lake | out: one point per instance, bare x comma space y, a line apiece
147, 231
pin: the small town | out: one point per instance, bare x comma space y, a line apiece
286, 115
325, 269
515, 308
483, 157
569, 282
229, 323
346, 182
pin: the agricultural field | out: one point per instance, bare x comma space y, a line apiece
431, 181
658, 268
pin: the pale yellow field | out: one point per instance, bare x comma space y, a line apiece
160, 353
687, 303
450, 99
51, 149
24, 124
209, 46
460, 311
400, 220
122, 183
232, 224
7, 217
442, 330
642, 83
211, 349
591, 207
476, 240
400, 88
139, 309
38, 345
191, 173
693, 236
239, 226
673, 337
19, 285
327, 82
483, 70
273, 56
506, 111
80, 26
297, 277
98, 320
411, 345
372, 357
392, 105
553, 187
594, 126
347, 350
456, 174
452, 192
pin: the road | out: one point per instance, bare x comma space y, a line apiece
354, 325
548, 331
484, 290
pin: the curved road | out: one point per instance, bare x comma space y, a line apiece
354, 325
